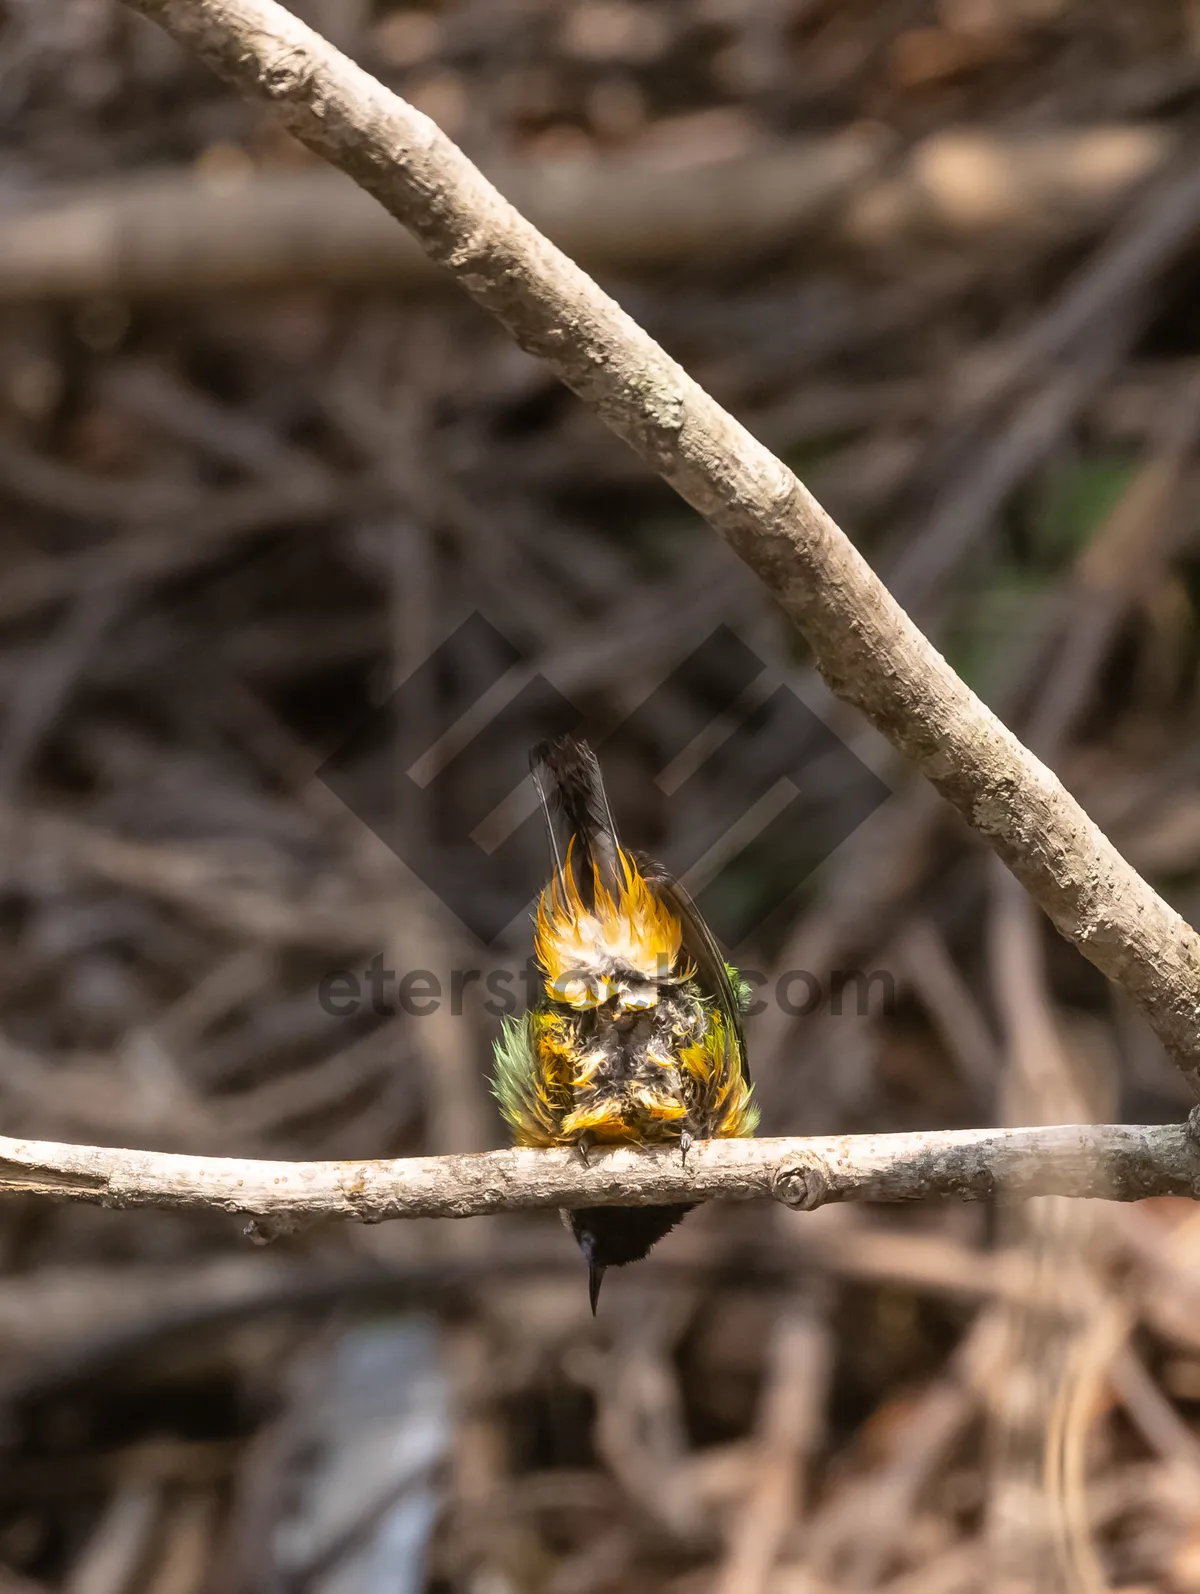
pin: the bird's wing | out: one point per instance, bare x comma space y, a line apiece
701, 947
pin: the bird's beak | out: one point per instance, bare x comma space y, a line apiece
596, 1272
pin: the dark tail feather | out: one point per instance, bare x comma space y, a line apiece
546, 798
614, 1236
567, 776
596, 1272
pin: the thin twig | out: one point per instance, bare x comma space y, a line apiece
1123, 1162
791, 1424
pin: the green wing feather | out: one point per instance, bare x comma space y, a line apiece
514, 1079
743, 991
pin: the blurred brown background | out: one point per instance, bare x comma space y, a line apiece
258, 466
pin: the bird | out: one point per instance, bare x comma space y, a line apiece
634, 1036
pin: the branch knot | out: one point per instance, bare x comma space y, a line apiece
802, 1183
289, 76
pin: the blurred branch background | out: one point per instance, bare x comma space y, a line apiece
256, 468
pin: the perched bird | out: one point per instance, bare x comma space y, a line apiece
636, 1036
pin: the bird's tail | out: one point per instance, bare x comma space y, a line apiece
579, 823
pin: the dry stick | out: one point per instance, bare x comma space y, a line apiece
951, 1005
890, 853
641, 1432
457, 1118
50, 676
1125, 560
1099, 304
110, 1557
185, 231
866, 647
1124, 1162
15, 1583
49, 1308
1040, 1419
858, 1530
1152, 1414
791, 1423
1030, 1523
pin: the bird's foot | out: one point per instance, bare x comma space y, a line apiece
686, 1142
583, 1147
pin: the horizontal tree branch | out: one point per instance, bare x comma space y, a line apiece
1120, 1162
196, 231
865, 645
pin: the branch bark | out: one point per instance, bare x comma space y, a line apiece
865, 645
1119, 1162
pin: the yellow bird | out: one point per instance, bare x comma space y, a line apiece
636, 1037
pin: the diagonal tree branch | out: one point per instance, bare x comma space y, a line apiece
867, 648
1121, 1162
